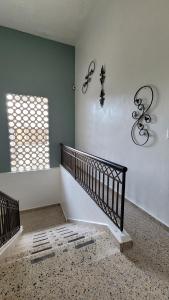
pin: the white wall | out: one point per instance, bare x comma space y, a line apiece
131, 37
32, 189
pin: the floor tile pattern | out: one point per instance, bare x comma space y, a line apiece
91, 268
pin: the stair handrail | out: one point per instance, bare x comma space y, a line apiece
102, 179
9, 217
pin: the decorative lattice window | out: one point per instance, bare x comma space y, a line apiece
28, 125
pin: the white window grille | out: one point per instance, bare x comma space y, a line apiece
28, 125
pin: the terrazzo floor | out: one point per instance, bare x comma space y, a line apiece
83, 262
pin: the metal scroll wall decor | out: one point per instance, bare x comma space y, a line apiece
139, 132
102, 80
88, 77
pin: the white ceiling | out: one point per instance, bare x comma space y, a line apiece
59, 20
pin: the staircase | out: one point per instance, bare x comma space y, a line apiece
47, 262
69, 243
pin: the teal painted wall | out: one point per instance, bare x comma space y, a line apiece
32, 65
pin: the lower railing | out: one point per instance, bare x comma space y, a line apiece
9, 218
103, 180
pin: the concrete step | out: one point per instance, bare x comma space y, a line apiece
69, 241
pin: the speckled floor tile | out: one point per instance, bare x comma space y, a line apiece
95, 272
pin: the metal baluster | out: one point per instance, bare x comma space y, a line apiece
83, 172
80, 170
89, 176
103, 188
122, 200
96, 181
75, 165
99, 184
107, 190
86, 173
117, 199
0, 218
113, 194
92, 178
8, 217
5, 219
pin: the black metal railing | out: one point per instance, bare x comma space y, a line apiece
9, 218
103, 180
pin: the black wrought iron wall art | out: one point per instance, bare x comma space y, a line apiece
102, 80
140, 132
74, 87
88, 77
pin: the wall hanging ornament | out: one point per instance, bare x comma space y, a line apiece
139, 132
102, 80
74, 87
88, 77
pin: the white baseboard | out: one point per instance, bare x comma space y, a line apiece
150, 215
